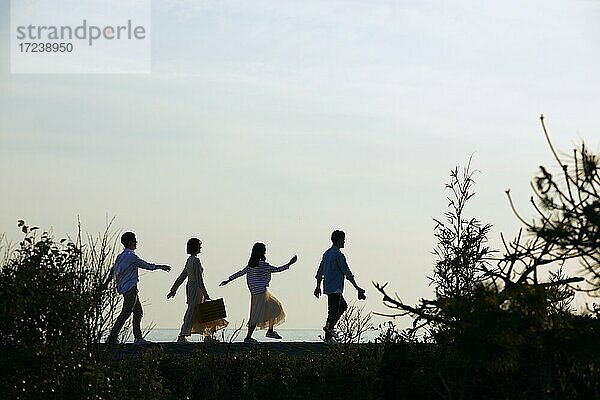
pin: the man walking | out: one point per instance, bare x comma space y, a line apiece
332, 271
125, 271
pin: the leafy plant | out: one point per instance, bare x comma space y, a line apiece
509, 324
462, 260
55, 309
461, 251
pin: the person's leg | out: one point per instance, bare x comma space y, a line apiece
343, 307
251, 329
129, 299
255, 302
333, 304
337, 306
273, 312
188, 319
138, 313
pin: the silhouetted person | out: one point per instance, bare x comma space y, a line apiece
196, 293
265, 310
125, 271
332, 271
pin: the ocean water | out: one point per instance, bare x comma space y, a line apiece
288, 335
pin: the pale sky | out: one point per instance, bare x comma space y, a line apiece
279, 121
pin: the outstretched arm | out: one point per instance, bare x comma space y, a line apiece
235, 276
139, 263
283, 267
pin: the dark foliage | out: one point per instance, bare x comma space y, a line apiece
499, 329
509, 328
568, 207
461, 251
54, 308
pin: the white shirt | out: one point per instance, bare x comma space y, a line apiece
125, 270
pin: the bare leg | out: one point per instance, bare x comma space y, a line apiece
251, 329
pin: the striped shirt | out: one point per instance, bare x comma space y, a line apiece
125, 270
258, 278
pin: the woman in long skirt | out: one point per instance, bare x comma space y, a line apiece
265, 310
196, 294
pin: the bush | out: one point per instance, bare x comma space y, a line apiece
507, 331
54, 309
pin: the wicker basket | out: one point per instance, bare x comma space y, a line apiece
208, 311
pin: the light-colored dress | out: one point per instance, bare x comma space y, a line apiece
266, 311
195, 294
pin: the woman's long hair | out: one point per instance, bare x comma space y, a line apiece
258, 253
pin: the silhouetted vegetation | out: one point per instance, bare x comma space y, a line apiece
354, 323
506, 326
568, 207
55, 308
501, 324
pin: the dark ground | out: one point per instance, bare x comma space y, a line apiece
129, 350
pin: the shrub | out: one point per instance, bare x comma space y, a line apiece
55, 308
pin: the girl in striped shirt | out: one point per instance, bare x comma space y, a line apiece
265, 310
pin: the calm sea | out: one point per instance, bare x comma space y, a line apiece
289, 335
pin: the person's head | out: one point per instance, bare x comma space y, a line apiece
193, 246
259, 251
338, 238
129, 241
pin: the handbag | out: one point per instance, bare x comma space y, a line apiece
208, 311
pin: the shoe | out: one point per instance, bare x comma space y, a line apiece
141, 342
210, 339
250, 340
273, 335
182, 339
